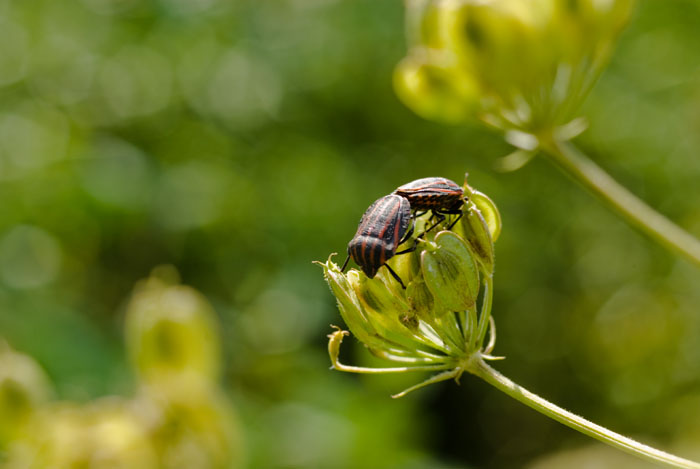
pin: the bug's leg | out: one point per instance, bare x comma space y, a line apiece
407, 237
345, 264
408, 234
454, 222
411, 249
395, 275
439, 216
456, 210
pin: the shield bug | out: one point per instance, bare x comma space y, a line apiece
383, 227
440, 195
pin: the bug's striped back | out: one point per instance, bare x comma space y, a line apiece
432, 193
379, 233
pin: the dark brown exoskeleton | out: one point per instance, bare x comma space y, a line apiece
383, 227
440, 195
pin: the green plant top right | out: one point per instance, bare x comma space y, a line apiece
524, 67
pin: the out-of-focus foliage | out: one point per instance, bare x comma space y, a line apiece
179, 417
241, 140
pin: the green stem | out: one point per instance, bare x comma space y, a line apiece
633, 209
496, 379
485, 315
472, 322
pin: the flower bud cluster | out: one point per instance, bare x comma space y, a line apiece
440, 319
515, 64
178, 418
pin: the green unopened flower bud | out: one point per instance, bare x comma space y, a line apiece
377, 296
475, 231
348, 303
488, 211
475, 228
386, 309
23, 388
450, 272
171, 329
371, 308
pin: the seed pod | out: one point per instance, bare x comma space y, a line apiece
489, 211
421, 301
473, 228
450, 271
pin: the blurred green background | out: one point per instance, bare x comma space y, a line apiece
240, 140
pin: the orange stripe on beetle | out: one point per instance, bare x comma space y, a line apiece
434, 193
384, 223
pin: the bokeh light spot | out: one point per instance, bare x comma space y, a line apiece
30, 138
117, 174
30, 257
191, 195
13, 52
136, 81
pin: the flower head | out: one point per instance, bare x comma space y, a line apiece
437, 322
515, 64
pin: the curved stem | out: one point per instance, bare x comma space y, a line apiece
633, 209
382, 371
494, 378
445, 375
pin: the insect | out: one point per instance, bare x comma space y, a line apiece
383, 227
439, 195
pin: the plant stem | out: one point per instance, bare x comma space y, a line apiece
633, 209
496, 379
485, 315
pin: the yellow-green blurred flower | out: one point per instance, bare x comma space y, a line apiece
436, 323
179, 419
191, 424
171, 334
514, 64
104, 434
24, 387
171, 330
